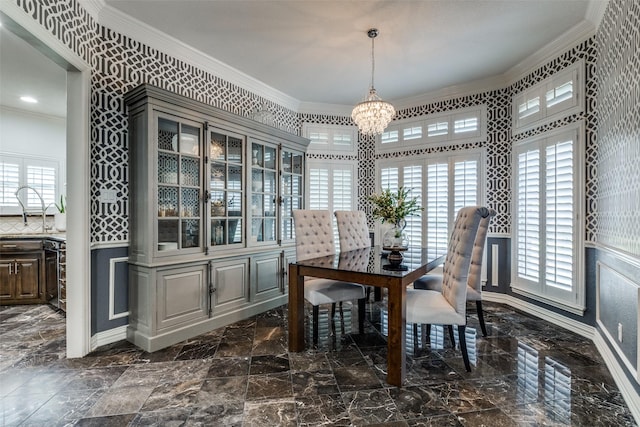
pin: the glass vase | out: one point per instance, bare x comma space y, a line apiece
395, 236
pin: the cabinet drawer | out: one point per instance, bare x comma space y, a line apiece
20, 245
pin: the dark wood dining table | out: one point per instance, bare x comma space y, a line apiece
366, 266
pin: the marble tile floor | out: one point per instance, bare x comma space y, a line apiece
527, 372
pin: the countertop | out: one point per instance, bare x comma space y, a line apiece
62, 237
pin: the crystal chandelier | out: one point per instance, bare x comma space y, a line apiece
373, 114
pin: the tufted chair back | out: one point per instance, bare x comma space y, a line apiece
353, 230
314, 234
475, 269
458, 259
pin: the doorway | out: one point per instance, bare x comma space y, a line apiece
78, 316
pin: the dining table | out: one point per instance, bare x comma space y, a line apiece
367, 266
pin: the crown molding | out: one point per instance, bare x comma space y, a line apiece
455, 91
152, 37
567, 40
22, 112
595, 11
327, 109
93, 7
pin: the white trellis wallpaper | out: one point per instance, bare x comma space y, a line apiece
617, 158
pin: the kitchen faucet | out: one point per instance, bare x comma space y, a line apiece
26, 210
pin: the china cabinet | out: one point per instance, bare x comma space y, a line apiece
211, 231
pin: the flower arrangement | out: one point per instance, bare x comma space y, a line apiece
394, 206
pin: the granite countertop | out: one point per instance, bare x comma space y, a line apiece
62, 237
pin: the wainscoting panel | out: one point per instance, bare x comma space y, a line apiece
617, 313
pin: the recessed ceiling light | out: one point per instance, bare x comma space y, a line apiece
29, 99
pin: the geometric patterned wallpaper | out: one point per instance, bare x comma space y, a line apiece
120, 64
617, 205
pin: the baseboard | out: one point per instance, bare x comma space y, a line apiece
579, 328
108, 337
628, 391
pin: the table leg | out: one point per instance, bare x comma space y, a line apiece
396, 364
296, 309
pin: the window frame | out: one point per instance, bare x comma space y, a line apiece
450, 158
331, 146
573, 301
546, 114
451, 137
24, 162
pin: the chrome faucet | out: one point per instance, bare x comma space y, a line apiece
25, 210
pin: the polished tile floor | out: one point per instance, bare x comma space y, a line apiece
526, 373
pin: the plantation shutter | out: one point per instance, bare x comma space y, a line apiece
465, 184
437, 207
412, 181
10, 181
318, 188
43, 179
528, 212
559, 215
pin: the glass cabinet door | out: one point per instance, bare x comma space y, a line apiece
292, 190
226, 188
179, 216
264, 192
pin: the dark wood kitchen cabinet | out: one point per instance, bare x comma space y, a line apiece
21, 272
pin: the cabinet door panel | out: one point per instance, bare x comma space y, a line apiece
230, 278
182, 296
28, 278
267, 273
6, 280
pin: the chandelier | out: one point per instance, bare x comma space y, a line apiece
373, 114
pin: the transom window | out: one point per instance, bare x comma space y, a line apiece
442, 128
555, 97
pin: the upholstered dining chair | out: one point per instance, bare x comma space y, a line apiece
474, 280
314, 238
353, 233
448, 306
353, 230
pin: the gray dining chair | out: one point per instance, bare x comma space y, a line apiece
474, 280
314, 238
448, 306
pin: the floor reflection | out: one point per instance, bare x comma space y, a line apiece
526, 372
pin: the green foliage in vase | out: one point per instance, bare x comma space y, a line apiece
394, 206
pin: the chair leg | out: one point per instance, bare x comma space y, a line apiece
341, 318
481, 318
453, 340
463, 347
333, 311
316, 311
428, 333
415, 340
362, 312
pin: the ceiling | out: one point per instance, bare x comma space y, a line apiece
26, 71
318, 51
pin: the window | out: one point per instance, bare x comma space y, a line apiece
38, 173
443, 185
548, 230
555, 97
332, 186
331, 138
461, 125
451, 184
